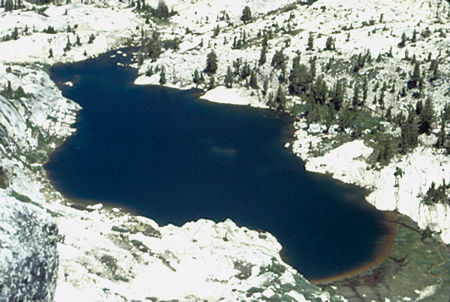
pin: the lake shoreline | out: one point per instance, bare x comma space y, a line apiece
381, 251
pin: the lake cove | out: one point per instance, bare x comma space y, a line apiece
165, 154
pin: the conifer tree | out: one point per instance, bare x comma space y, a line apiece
211, 63
300, 77
329, 117
338, 94
426, 117
253, 80
442, 136
68, 46
434, 70
216, 31
162, 76
262, 56
344, 118
154, 46
355, 100
212, 82
162, 11
416, 78
310, 41
280, 99
265, 87
365, 89
245, 71
319, 90
414, 36
229, 78
409, 132
312, 68
265, 42
381, 100
15, 34
282, 77
403, 41
278, 59
246, 15
329, 44
196, 78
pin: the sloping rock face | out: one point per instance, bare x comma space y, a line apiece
28, 254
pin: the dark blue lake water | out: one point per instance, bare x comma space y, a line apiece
165, 154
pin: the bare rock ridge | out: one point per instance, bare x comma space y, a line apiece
28, 252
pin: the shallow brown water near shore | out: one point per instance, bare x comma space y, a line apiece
381, 252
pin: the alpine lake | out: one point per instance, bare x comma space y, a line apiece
171, 156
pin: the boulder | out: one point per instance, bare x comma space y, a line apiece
28, 254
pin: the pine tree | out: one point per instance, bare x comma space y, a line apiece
434, 69
311, 111
278, 59
403, 41
381, 100
310, 41
419, 107
253, 80
68, 46
385, 152
162, 76
426, 117
282, 77
50, 53
300, 77
246, 15
312, 68
196, 78
9, 90
154, 46
357, 131
216, 31
262, 57
442, 136
365, 89
344, 119
265, 42
280, 98
338, 94
355, 100
212, 82
329, 117
91, 39
409, 132
265, 87
416, 78
319, 90
162, 11
245, 71
414, 36
211, 63
329, 44
15, 34
229, 78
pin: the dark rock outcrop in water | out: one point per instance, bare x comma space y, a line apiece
28, 254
